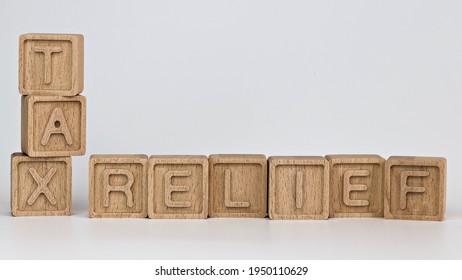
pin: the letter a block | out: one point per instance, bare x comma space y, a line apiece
40, 186
51, 64
118, 186
298, 188
356, 185
415, 188
53, 126
178, 187
238, 186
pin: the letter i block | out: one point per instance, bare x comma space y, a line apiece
41, 186
118, 186
415, 188
53, 126
356, 185
298, 188
237, 186
51, 64
178, 187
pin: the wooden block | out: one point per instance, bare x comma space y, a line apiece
118, 186
53, 126
298, 188
356, 185
178, 187
415, 188
51, 64
41, 186
237, 186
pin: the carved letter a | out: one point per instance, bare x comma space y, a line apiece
57, 125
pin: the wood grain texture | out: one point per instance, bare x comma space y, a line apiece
118, 186
178, 187
51, 64
298, 188
237, 186
415, 188
356, 185
53, 126
41, 186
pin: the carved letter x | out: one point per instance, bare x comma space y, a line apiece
42, 186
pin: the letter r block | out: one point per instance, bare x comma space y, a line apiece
51, 64
118, 186
41, 186
356, 185
178, 187
53, 126
415, 188
298, 188
238, 186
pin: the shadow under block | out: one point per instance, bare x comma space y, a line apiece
415, 188
118, 186
51, 64
53, 126
356, 185
298, 188
178, 187
237, 186
41, 186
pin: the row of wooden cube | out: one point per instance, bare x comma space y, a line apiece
237, 186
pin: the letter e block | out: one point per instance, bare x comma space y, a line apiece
51, 64
298, 188
356, 185
53, 126
41, 186
415, 188
118, 186
178, 187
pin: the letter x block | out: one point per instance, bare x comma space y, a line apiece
178, 187
118, 186
415, 188
237, 186
356, 185
40, 186
51, 64
53, 126
298, 188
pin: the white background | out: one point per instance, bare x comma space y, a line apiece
271, 77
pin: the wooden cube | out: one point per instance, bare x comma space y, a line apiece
118, 186
178, 187
51, 64
298, 187
53, 126
237, 186
356, 185
41, 186
415, 188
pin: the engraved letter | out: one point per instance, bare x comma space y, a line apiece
169, 188
57, 125
42, 186
299, 190
405, 188
123, 188
348, 187
228, 202
47, 51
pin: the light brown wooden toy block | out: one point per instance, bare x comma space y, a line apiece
51, 64
41, 186
356, 185
118, 186
237, 186
415, 188
53, 126
178, 187
298, 188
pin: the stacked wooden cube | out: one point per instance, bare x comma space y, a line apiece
53, 123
